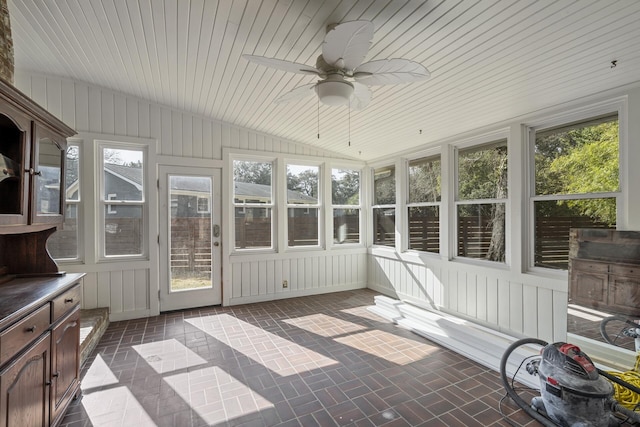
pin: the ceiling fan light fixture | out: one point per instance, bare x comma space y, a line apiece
334, 92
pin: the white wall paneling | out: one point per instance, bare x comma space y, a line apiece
130, 289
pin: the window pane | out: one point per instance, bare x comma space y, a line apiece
124, 231
302, 185
123, 174
481, 231
384, 186
384, 226
72, 173
190, 233
577, 159
252, 182
346, 226
482, 172
424, 180
553, 219
63, 244
345, 187
253, 227
424, 228
303, 226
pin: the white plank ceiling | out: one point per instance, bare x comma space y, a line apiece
490, 59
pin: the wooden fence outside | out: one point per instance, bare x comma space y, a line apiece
191, 237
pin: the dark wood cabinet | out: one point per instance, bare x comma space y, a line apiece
39, 349
604, 270
24, 389
65, 363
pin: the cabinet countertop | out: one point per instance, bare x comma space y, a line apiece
20, 296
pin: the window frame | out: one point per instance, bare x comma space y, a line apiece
103, 202
78, 203
374, 205
333, 207
617, 106
233, 157
423, 155
319, 206
496, 137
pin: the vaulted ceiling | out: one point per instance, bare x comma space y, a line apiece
490, 60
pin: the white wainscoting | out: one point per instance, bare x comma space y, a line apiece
132, 292
259, 278
519, 305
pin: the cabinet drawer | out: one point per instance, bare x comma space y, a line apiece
18, 336
626, 270
589, 266
63, 303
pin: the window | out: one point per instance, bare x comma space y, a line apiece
203, 205
384, 206
111, 208
123, 185
63, 245
253, 203
303, 207
345, 200
576, 184
424, 204
481, 201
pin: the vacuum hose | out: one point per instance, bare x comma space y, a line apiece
511, 392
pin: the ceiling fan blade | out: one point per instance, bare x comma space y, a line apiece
297, 93
346, 45
280, 64
361, 96
390, 71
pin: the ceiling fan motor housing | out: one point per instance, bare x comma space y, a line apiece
335, 90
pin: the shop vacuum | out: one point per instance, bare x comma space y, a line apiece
573, 392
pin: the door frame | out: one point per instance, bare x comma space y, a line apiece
197, 297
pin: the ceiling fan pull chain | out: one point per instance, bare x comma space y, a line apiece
318, 118
349, 122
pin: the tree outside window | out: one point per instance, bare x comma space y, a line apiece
481, 201
576, 184
345, 200
253, 204
424, 204
384, 206
303, 205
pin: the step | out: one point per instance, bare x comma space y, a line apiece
93, 324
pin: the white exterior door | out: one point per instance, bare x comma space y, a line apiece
190, 237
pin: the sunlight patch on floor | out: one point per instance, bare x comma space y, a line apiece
98, 375
273, 352
215, 395
393, 348
115, 407
168, 355
325, 326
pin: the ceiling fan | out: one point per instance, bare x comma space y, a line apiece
344, 79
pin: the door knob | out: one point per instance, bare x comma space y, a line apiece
216, 243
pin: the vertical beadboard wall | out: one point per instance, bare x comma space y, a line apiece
529, 306
127, 289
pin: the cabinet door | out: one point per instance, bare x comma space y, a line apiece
65, 363
24, 387
15, 129
47, 185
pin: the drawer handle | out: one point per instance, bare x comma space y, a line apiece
68, 300
55, 374
31, 329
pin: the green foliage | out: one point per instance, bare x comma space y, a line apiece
425, 180
252, 172
482, 173
304, 182
579, 161
345, 188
